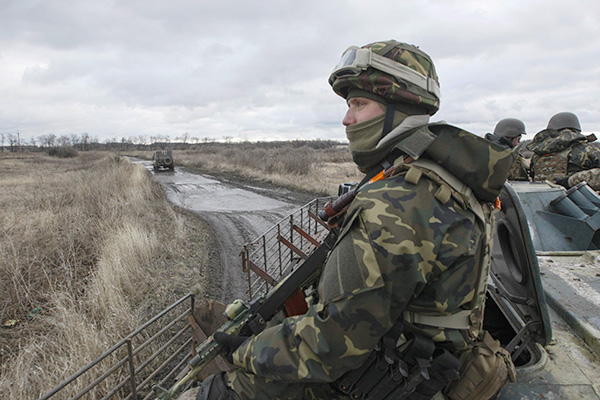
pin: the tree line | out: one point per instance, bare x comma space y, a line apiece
87, 142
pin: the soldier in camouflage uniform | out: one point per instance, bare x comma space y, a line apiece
413, 251
508, 132
562, 154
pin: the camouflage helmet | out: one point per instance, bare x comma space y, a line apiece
396, 71
510, 127
564, 120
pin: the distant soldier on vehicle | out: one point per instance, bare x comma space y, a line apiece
562, 154
402, 292
508, 132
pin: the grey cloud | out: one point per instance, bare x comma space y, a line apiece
259, 70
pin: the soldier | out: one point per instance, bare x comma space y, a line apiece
508, 132
563, 155
411, 261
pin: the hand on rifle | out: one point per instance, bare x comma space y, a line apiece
230, 342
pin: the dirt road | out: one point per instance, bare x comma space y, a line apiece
237, 211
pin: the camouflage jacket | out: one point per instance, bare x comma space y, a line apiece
519, 170
404, 246
561, 153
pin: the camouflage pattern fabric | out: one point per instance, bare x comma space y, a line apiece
591, 176
552, 166
479, 163
558, 154
404, 246
388, 87
519, 170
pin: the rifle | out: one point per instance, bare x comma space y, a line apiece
247, 320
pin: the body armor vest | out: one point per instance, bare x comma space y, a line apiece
550, 166
471, 318
418, 368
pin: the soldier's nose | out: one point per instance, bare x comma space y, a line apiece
349, 118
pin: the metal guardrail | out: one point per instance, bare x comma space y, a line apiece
154, 353
275, 254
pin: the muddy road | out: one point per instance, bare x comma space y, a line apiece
238, 212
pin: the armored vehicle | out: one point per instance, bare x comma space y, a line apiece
163, 159
545, 291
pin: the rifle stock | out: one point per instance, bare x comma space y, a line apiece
248, 320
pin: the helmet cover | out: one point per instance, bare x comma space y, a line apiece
419, 85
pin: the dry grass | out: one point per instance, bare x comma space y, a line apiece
89, 250
317, 170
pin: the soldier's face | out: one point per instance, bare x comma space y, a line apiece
515, 140
361, 109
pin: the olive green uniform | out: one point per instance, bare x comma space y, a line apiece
408, 244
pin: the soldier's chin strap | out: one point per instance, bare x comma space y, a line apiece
389, 119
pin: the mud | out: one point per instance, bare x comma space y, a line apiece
238, 211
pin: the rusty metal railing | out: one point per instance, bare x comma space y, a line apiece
154, 353
275, 254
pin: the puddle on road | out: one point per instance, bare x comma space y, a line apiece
202, 193
237, 213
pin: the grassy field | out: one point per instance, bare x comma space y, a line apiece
309, 167
89, 250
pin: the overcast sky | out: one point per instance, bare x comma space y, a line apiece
258, 70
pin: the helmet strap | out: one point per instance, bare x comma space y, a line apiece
388, 123
388, 47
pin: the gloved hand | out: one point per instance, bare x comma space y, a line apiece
563, 182
230, 342
214, 388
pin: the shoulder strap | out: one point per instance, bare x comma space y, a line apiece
451, 186
462, 192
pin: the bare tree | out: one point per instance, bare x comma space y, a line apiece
185, 138
85, 140
13, 141
142, 140
47, 140
75, 141
63, 141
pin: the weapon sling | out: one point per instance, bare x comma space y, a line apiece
263, 310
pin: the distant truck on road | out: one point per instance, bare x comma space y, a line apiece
163, 159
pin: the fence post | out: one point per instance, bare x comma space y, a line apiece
131, 369
279, 251
264, 240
